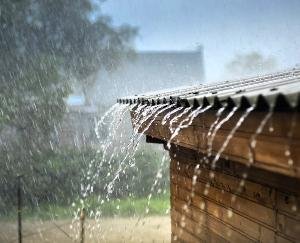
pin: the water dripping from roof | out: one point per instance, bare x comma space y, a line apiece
169, 114
117, 114
218, 126
253, 139
251, 159
210, 130
175, 118
101, 122
231, 134
155, 111
185, 123
290, 134
156, 180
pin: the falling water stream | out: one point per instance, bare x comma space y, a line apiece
217, 127
197, 170
231, 134
290, 134
156, 110
143, 117
175, 118
169, 114
253, 138
117, 113
210, 130
185, 123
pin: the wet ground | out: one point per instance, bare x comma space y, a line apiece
150, 229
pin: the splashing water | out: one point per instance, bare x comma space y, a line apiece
188, 120
117, 113
169, 114
253, 138
212, 126
90, 176
146, 115
100, 123
156, 180
130, 153
218, 126
110, 152
175, 118
137, 113
231, 134
287, 151
251, 158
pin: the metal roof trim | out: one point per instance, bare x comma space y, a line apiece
270, 90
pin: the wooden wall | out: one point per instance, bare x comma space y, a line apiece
239, 200
232, 203
271, 145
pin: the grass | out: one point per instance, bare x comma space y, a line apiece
132, 207
127, 207
42, 212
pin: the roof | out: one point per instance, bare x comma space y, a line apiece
280, 90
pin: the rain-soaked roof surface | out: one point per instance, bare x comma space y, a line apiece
279, 90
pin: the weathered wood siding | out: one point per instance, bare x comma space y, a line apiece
231, 203
280, 134
239, 200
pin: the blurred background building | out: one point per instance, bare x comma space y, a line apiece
145, 71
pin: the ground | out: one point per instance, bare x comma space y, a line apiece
149, 229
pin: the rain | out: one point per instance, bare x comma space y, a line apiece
149, 121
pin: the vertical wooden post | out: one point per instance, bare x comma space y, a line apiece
82, 218
19, 198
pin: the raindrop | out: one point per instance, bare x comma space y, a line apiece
229, 213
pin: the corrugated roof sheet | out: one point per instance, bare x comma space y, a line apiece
280, 90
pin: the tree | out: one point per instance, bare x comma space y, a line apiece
251, 63
66, 31
44, 45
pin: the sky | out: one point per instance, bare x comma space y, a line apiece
224, 28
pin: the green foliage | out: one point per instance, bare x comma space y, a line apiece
136, 176
126, 207
43, 45
57, 177
51, 177
62, 30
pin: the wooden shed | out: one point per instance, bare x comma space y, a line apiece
235, 157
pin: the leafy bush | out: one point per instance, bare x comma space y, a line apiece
59, 176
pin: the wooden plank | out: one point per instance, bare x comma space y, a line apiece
229, 217
195, 228
269, 197
288, 204
278, 122
247, 208
256, 192
182, 235
259, 176
280, 239
277, 181
189, 225
288, 226
241, 204
267, 235
270, 149
216, 226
